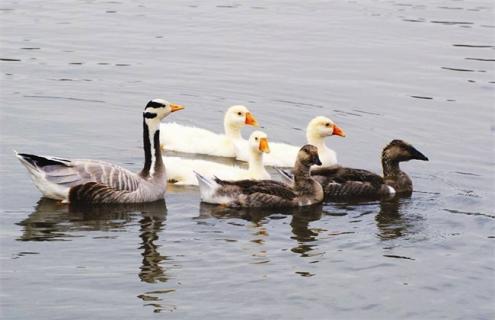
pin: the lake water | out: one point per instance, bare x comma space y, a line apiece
75, 76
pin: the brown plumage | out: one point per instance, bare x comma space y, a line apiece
342, 182
268, 193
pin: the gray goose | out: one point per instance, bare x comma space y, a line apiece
305, 190
94, 181
343, 182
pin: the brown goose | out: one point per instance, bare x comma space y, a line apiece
348, 182
342, 182
94, 181
267, 193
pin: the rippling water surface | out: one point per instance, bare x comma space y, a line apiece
75, 76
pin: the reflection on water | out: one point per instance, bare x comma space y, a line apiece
151, 223
301, 217
303, 234
393, 224
52, 220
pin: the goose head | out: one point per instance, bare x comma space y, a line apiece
321, 127
399, 150
258, 142
157, 109
308, 156
237, 117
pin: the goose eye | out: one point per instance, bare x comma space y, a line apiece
327, 124
256, 138
239, 113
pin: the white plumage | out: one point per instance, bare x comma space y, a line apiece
181, 171
284, 155
176, 137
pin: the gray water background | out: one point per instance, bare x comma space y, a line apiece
75, 76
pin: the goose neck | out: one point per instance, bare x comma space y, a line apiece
153, 162
317, 141
255, 163
391, 168
232, 131
301, 174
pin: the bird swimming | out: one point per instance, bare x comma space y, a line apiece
305, 191
93, 181
202, 141
343, 182
284, 155
180, 171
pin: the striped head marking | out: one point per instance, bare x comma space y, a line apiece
159, 109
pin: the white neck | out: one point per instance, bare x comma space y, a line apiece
316, 140
232, 131
256, 168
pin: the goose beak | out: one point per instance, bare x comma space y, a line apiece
251, 120
264, 147
415, 154
176, 107
337, 131
316, 160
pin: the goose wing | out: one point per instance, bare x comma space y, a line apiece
353, 189
68, 173
269, 188
343, 175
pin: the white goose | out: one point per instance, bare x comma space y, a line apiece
181, 171
94, 181
202, 141
284, 155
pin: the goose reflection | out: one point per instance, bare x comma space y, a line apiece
52, 220
303, 234
301, 217
151, 223
393, 221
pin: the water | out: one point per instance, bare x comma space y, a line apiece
76, 75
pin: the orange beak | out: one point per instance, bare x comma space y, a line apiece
337, 131
264, 145
176, 107
251, 120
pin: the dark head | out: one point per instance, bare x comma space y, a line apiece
157, 109
398, 151
308, 155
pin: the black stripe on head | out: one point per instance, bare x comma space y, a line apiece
149, 115
154, 104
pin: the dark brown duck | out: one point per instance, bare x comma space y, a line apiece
343, 182
267, 193
348, 182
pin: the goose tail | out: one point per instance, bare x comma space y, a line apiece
35, 166
207, 187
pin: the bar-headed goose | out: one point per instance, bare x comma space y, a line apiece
94, 181
202, 141
181, 171
284, 155
305, 190
342, 182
